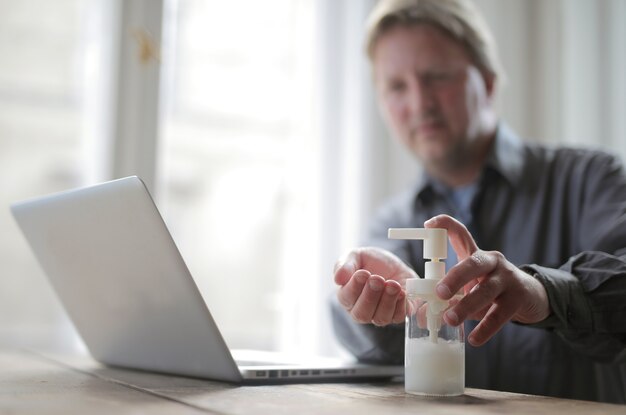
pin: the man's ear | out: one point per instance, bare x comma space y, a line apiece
490, 84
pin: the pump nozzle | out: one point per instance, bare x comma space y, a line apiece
435, 248
435, 240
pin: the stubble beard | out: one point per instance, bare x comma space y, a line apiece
456, 159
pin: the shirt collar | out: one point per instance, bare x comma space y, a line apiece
506, 158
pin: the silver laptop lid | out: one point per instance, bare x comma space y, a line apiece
117, 271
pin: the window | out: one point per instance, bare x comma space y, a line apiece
241, 171
236, 155
40, 146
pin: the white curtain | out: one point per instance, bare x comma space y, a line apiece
566, 66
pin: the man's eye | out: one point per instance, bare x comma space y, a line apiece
396, 86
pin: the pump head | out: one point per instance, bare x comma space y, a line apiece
435, 247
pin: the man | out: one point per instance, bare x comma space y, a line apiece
545, 298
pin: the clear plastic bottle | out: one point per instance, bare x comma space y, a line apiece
434, 359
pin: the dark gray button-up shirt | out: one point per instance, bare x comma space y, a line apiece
560, 215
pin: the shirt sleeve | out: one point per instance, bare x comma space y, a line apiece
367, 342
587, 294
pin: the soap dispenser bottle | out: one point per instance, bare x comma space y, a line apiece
434, 352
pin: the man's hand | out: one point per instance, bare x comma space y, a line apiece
372, 283
496, 291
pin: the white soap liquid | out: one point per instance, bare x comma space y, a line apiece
434, 368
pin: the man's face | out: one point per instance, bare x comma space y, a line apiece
430, 93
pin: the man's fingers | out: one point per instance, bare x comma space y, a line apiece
479, 264
350, 292
461, 240
469, 286
399, 314
479, 314
387, 305
499, 313
422, 320
481, 297
367, 303
346, 267
365, 293
371, 299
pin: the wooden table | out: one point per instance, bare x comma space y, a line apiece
31, 382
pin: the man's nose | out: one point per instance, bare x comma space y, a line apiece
420, 98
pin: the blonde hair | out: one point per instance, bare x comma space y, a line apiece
459, 18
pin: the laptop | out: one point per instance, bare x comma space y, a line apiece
119, 275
